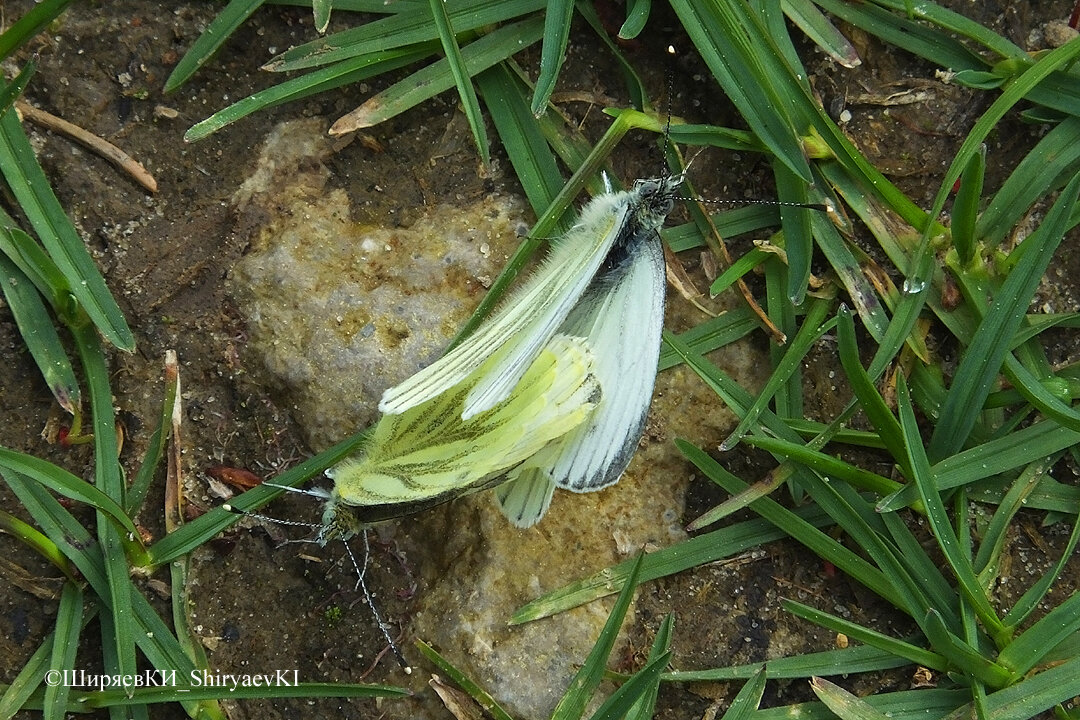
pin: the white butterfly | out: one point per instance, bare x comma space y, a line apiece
602, 282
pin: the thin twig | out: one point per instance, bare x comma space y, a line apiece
95, 144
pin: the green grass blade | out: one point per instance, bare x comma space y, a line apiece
524, 143
637, 14
10, 92
557, 19
348, 71
31, 189
429, 81
155, 449
462, 78
854, 659
748, 698
581, 689
821, 31
645, 706
966, 207
983, 358
26, 27
1044, 169
488, 703
65, 642
321, 11
907, 651
400, 30
1033, 695
959, 562
963, 656
845, 705
217, 32
36, 327
825, 465
712, 334
637, 688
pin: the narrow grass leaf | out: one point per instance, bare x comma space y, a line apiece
524, 143
825, 464
36, 19
622, 701
399, 30
996, 532
557, 19
1030, 647
321, 11
217, 32
844, 704
462, 78
10, 92
965, 210
459, 678
155, 448
850, 660
746, 702
581, 689
438, 77
37, 330
983, 358
923, 478
1045, 168
65, 643
637, 14
909, 652
1032, 695
645, 706
1040, 394
712, 334
348, 71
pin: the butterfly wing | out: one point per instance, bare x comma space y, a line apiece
621, 316
521, 327
525, 497
429, 454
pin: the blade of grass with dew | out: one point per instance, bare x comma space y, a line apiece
619, 704
40, 336
462, 79
30, 24
63, 482
224, 24
792, 192
39, 268
983, 357
321, 10
34, 195
572, 704
459, 678
825, 464
730, 223
957, 24
712, 334
734, 46
845, 705
1038, 392
966, 207
700, 550
851, 276
850, 660
902, 649
10, 92
749, 261
557, 17
398, 31
637, 14
902, 705
821, 31
923, 479
748, 698
348, 71
120, 642
524, 143
1031, 696
66, 633
645, 706
437, 77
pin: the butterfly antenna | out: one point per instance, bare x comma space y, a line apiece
361, 583
667, 120
266, 518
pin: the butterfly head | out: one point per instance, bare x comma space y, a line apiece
338, 521
655, 198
